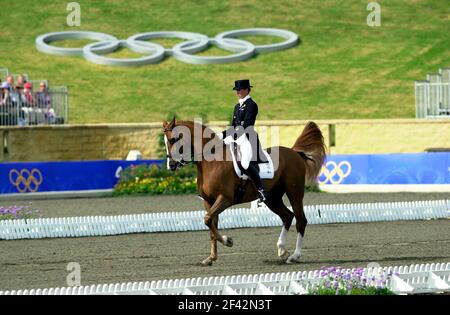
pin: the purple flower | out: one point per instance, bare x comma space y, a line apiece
17, 212
349, 287
338, 279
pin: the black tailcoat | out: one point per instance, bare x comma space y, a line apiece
244, 118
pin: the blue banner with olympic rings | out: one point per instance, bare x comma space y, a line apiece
385, 169
419, 168
28, 177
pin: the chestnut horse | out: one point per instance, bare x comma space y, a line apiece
220, 187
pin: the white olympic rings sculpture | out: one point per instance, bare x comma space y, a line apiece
184, 51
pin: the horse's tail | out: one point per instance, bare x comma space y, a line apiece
311, 147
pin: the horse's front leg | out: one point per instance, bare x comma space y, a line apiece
213, 256
211, 220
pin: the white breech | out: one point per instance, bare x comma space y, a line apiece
245, 150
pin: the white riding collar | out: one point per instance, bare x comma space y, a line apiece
242, 100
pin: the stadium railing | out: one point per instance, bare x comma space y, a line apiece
46, 108
433, 95
3, 74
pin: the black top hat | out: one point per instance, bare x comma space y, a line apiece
242, 84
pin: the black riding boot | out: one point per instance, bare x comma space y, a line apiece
253, 173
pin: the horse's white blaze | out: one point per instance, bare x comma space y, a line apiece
298, 249
167, 151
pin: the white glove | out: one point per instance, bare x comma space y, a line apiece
220, 135
228, 140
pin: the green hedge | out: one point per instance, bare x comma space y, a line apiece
154, 180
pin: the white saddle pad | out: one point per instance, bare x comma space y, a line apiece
266, 170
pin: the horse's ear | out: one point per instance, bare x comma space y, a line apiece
171, 124
165, 123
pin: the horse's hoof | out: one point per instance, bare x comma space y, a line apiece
293, 260
283, 254
207, 262
227, 241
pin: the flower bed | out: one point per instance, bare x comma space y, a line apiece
16, 212
338, 281
154, 180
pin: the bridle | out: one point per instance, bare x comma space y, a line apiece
181, 162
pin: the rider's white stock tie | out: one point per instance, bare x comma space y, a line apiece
242, 100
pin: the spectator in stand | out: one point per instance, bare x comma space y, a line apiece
5, 105
17, 97
43, 98
28, 93
10, 80
1, 92
29, 114
4, 94
21, 80
3, 98
44, 101
18, 100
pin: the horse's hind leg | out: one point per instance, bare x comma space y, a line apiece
277, 206
296, 198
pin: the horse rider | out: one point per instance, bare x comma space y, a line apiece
244, 117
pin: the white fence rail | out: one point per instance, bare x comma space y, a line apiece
423, 278
233, 218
